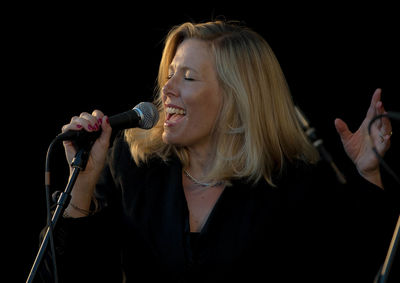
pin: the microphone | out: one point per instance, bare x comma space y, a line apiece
144, 116
318, 144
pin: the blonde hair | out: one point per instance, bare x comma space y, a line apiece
257, 129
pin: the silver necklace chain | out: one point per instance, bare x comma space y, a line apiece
195, 181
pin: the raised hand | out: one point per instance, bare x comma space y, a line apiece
358, 145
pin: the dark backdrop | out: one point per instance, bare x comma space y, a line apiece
62, 60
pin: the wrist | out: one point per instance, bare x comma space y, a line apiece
73, 211
78, 207
372, 177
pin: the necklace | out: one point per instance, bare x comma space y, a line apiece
193, 179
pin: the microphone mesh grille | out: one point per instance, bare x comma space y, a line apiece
150, 115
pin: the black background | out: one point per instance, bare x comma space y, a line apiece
63, 59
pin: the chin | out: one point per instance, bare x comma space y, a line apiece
167, 139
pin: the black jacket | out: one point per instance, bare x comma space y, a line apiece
302, 230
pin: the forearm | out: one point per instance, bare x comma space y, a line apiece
81, 199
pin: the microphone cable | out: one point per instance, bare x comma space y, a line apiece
383, 273
48, 208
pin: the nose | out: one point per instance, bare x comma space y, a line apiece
170, 88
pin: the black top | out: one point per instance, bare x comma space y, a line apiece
302, 230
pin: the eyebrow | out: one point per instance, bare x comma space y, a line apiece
183, 68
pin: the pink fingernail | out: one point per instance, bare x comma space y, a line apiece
90, 127
79, 126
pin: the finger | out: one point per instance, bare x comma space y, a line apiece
384, 133
372, 110
99, 116
74, 125
383, 125
386, 126
383, 144
104, 125
378, 122
89, 122
106, 131
102, 120
343, 130
78, 123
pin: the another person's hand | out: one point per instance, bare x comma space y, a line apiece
358, 145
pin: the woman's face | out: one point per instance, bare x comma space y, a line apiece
191, 96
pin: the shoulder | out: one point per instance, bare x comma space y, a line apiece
120, 159
306, 183
295, 171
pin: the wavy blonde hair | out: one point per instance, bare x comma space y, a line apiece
257, 129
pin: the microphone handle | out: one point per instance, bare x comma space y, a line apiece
123, 120
126, 120
81, 138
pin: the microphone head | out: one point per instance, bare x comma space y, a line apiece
148, 114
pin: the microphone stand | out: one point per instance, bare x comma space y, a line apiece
318, 144
383, 273
78, 164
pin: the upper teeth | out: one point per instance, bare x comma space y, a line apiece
172, 110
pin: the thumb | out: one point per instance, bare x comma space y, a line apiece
342, 129
106, 131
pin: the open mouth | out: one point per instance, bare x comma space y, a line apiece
174, 114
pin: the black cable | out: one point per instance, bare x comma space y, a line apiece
48, 209
78, 163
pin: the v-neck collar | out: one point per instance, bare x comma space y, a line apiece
214, 209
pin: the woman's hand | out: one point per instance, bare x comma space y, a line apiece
89, 122
358, 145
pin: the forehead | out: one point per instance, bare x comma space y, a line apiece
193, 54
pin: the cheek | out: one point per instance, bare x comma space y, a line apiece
163, 96
204, 118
